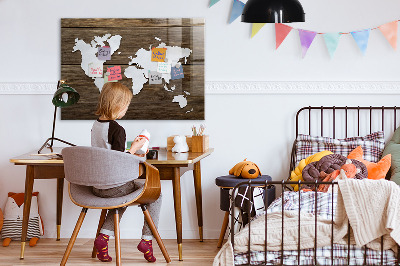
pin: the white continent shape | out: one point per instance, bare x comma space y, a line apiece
143, 63
181, 99
89, 51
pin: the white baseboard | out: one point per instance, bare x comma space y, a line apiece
248, 87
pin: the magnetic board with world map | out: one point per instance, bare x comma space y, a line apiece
168, 87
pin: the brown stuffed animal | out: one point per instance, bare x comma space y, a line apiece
245, 169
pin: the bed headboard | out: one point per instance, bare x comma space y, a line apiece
344, 121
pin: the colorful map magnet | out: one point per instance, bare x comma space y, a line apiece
104, 53
164, 67
155, 77
96, 70
177, 72
158, 54
115, 73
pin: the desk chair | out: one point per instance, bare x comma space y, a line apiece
85, 167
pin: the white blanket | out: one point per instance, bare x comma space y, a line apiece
373, 209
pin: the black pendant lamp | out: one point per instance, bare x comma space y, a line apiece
273, 11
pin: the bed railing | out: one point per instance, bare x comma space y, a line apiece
265, 185
331, 119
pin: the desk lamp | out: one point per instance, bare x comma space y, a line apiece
272, 11
64, 96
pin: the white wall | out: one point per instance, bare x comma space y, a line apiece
258, 127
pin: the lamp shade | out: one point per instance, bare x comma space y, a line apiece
273, 11
65, 96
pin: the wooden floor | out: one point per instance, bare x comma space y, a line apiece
50, 252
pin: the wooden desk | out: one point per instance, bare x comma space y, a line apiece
168, 163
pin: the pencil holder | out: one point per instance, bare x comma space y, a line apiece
200, 143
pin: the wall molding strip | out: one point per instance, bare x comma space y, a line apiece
304, 87
251, 87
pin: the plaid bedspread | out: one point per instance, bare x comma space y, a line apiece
321, 205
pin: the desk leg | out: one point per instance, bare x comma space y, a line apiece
176, 182
60, 190
27, 206
199, 204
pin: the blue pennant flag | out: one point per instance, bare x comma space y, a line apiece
237, 9
361, 38
213, 2
332, 41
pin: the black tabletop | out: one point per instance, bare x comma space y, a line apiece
230, 181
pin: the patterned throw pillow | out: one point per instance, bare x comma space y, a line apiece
372, 145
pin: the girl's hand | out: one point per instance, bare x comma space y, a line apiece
137, 144
143, 155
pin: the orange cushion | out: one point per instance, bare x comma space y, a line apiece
375, 170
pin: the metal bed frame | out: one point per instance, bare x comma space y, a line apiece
283, 184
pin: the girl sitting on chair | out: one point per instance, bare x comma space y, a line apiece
107, 133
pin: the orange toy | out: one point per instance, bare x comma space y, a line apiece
245, 169
375, 170
12, 222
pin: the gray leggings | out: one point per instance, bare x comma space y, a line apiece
154, 208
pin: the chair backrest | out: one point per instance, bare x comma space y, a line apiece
92, 166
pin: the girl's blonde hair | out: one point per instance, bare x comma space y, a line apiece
113, 98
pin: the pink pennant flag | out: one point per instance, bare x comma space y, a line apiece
281, 31
306, 39
389, 30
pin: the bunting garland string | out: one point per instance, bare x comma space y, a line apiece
361, 37
343, 33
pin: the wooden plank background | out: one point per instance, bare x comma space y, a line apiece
153, 102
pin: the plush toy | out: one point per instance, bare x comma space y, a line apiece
180, 144
13, 215
375, 170
245, 169
296, 174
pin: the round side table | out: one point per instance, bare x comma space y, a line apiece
226, 183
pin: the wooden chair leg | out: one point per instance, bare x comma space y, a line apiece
154, 230
223, 229
101, 222
117, 238
73, 237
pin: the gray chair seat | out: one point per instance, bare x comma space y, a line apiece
82, 195
85, 167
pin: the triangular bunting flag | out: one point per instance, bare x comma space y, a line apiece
361, 38
256, 28
213, 2
281, 31
390, 32
237, 9
306, 39
332, 41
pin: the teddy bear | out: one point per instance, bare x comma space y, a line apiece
245, 169
180, 144
13, 215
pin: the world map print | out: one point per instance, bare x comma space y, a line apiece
160, 60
